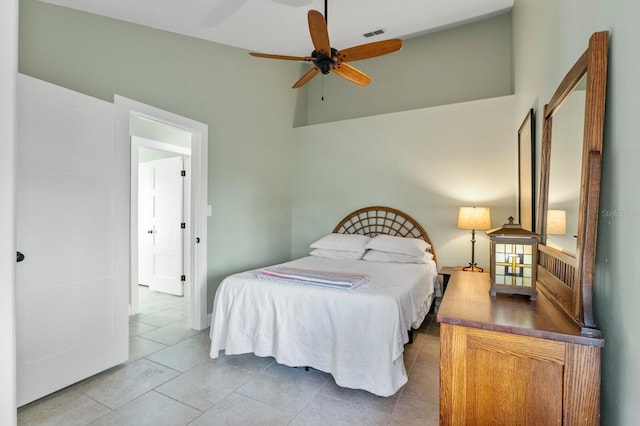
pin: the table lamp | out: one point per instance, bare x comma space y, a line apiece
556, 222
475, 219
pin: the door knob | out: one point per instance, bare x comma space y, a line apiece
19, 257
150, 231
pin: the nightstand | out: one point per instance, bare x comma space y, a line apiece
447, 271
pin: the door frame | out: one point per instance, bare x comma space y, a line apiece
198, 196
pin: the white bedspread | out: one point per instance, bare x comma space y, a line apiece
356, 335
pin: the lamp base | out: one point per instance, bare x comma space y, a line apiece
473, 267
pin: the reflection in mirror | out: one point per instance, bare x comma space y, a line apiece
565, 168
556, 228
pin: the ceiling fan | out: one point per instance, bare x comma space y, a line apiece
326, 59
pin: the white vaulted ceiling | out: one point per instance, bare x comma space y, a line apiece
280, 26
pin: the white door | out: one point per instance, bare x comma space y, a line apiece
161, 206
72, 218
145, 223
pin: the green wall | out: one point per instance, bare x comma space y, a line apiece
459, 64
249, 111
427, 162
548, 37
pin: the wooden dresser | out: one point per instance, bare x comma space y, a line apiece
505, 360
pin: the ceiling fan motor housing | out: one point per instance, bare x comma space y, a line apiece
324, 62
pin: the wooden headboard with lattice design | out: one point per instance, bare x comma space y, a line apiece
375, 220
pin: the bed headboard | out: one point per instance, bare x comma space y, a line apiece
375, 220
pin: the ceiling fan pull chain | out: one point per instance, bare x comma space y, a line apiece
322, 96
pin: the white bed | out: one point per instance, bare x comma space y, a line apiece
357, 335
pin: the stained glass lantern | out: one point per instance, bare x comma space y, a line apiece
513, 260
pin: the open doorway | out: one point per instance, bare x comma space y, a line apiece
163, 184
164, 180
157, 135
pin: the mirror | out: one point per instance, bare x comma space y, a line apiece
570, 162
564, 172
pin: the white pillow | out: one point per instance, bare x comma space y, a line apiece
402, 245
349, 242
336, 254
387, 256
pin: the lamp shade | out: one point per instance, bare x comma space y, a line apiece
556, 222
476, 218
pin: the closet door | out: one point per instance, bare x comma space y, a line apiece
72, 224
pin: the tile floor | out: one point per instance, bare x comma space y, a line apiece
170, 380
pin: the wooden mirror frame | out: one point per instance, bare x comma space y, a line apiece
566, 279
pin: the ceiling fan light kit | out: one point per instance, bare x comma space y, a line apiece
326, 59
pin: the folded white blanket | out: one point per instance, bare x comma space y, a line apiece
342, 280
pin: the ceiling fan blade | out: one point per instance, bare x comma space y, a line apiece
285, 57
369, 50
306, 77
352, 74
319, 33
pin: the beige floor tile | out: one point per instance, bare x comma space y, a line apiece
153, 300
162, 318
280, 391
360, 397
298, 375
119, 385
158, 299
430, 325
185, 355
205, 384
411, 351
136, 328
429, 354
150, 409
140, 347
249, 362
434, 329
239, 410
415, 412
170, 334
67, 407
423, 384
323, 410
418, 339
175, 383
